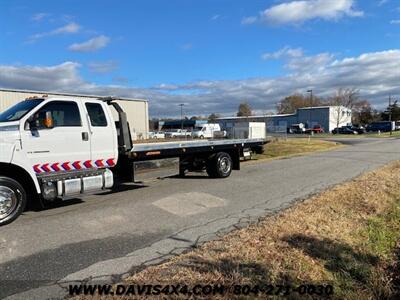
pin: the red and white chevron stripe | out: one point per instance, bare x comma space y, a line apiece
71, 166
66, 166
110, 162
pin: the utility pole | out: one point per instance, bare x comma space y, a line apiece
311, 96
181, 105
390, 113
311, 104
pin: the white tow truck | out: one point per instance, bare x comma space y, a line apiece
53, 148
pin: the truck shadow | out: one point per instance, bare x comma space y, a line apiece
122, 187
40, 206
191, 175
58, 203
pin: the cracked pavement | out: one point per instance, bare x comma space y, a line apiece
103, 238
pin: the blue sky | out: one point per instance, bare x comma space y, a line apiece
209, 54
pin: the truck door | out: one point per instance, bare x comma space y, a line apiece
103, 140
66, 146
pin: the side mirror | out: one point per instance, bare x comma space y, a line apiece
33, 123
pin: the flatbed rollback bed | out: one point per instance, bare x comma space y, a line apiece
217, 157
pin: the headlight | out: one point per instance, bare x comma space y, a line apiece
9, 128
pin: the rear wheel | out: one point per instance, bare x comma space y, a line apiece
12, 200
219, 165
259, 149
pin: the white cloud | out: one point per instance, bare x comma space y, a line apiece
69, 28
249, 20
43, 78
297, 12
121, 79
308, 64
375, 74
285, 52
90, 45
103, 67
395, 22
382, 2
39, 17
215, 17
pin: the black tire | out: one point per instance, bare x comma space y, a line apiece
13, 189
219, 165
259, 149
182, 171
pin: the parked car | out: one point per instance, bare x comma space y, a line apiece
315, 129
360, 129
178, 133
156, 135
344, 130
297, 128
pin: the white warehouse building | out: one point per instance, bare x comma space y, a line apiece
329, 117
137, 110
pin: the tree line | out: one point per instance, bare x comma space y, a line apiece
362, 110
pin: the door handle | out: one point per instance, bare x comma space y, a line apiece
85, 136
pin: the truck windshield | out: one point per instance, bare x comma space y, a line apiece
16, 112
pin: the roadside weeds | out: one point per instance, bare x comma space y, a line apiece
347, 236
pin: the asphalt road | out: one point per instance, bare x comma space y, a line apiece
105, 237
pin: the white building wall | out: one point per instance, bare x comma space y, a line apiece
325, 116
137, 110
339, 116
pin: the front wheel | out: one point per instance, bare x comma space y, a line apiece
12, 200
219, 165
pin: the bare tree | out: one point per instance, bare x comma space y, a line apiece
153, 124
213, 117
364, 113
343, 102
244, 110
290, 104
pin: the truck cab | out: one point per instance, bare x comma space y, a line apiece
54, 147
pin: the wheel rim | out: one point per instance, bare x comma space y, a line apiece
225, 165
8, 201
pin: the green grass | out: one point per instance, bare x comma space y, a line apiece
291, 147
383, 232
373, 135
381, 236
385, 134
